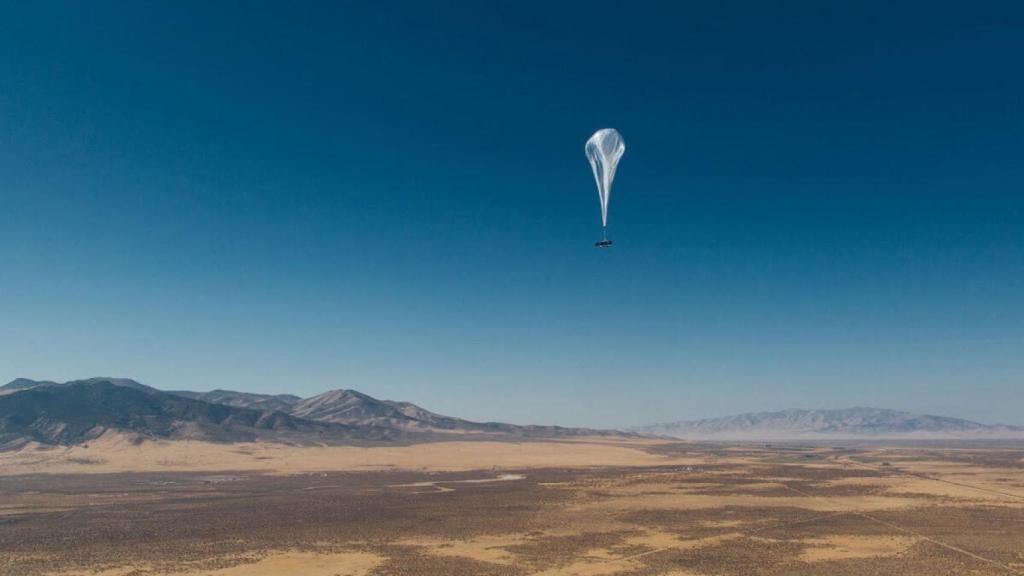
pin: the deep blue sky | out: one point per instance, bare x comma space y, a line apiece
820, 205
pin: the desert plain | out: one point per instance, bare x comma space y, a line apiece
602, 506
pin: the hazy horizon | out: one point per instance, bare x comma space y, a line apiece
818, 207
425, 403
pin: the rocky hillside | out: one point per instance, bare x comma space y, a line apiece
355, 408
279, 402
79, 411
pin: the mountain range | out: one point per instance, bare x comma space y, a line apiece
80, 410
850, 423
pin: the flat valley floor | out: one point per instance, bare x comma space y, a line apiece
673, 508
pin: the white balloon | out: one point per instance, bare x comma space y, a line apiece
604, 149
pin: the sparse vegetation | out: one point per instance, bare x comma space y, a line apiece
739, 511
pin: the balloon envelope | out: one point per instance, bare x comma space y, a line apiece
604, 149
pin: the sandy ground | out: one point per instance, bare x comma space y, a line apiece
114, 453
288, 562
843, 547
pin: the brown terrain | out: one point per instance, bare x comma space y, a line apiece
582, 506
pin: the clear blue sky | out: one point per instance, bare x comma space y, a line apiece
820, 205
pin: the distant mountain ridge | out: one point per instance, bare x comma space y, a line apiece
858, 422
22, 384
352, 407
280, 402
80, 410
25, 383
